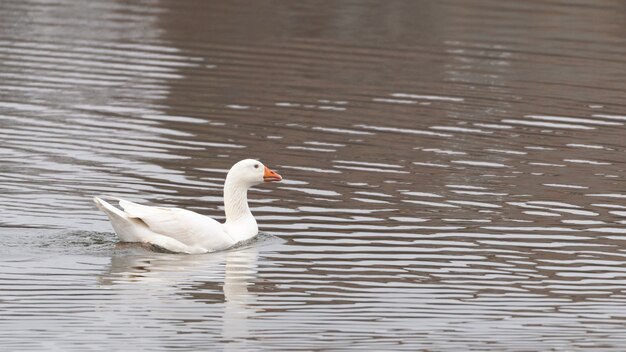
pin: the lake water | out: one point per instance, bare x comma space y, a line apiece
454, 173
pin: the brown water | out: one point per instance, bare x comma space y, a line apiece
454, 173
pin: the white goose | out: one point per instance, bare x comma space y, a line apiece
183, 231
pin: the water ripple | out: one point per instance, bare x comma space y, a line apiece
449, 184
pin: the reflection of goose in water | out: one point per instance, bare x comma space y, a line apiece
183, 231
178, 286
132, 264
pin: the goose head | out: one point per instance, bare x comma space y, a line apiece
250, 172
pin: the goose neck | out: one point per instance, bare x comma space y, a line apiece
235, 201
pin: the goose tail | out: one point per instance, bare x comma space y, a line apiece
126, 228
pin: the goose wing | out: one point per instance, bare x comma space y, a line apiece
186, 226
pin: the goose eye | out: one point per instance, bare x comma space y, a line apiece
256, 166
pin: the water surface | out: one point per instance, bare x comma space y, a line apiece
454, 173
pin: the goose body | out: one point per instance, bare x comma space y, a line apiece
184, 231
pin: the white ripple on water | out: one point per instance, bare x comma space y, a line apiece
368, 166
575, 211
547, 124
574, 120
588, 146
441, 151
466, 220
341, 130
459, 129
374, 194
506, 151
476, 204
467, 187
430, 164
480, 193
560, 185
582, 222
540, 213
528, 205
312, 209
422, 194
324, 144
393, 101
609, 230
544, 244
583, 161
407, 219
371, 200
567, 210
607, 195
530, 228
432, 204
311, 149
313, 106
508, 235
480, 163
310, 169
402, 130
610, 117
553, 203
426, 97
370, 169
238, 107
313, 191
536, 147
337, 102
165, 117
547, 164
494, 126
610, 206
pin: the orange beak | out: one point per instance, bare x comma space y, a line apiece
271, 176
